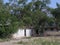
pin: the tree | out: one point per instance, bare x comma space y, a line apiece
8, 22
56, 14
29, 14
40, 4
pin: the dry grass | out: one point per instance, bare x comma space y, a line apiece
41, 41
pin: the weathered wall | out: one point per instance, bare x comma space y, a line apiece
28, 32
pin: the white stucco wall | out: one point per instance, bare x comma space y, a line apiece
20, 33
28, 32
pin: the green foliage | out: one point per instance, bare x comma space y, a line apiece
8, 23
56, 14
24, 15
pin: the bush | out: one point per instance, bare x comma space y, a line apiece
7, 30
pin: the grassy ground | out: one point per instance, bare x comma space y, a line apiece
41, 41
4, 39
32, 41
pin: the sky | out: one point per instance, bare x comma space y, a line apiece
53, 3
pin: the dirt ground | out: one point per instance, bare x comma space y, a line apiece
14, 42
11, 42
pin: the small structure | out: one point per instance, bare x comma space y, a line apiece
47, 31
22, 33
52, 31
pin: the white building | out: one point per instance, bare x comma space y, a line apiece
22, 33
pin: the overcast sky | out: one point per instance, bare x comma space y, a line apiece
53, 3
